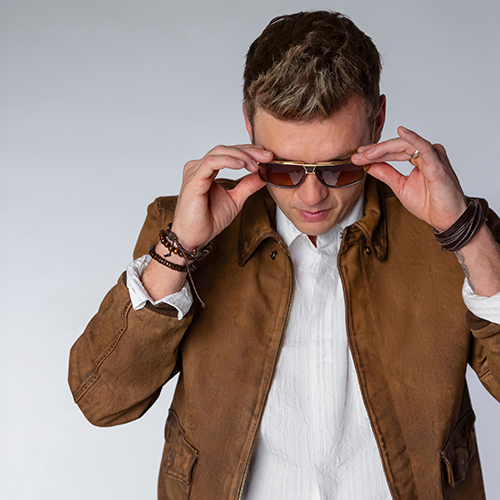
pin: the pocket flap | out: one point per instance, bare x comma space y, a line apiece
180, 456
457, 452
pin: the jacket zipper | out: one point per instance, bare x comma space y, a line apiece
247, 466
350, 336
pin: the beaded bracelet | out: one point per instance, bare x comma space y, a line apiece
171, 242
167, 263
464, 229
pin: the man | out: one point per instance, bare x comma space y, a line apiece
328, 360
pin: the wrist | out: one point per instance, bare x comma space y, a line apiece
175, 258
480, 261
443, 224
171, 242
184, 239
160, 281
463, 230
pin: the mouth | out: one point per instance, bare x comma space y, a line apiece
317, 216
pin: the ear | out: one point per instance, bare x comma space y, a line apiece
248, 125
379, 120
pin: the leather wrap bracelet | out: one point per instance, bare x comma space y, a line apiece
464, 229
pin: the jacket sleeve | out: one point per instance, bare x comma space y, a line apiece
123, 358
484, 355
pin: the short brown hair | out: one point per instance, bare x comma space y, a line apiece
306, 66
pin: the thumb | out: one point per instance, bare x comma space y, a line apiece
388, 175
247, 186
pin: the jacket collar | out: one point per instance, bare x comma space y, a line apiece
373, 225
258, 221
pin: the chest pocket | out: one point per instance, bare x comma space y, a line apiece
457, 454
179, 461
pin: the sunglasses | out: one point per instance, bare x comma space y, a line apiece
333, 174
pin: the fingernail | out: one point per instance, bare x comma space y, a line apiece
241, 162
357, 156
266, 153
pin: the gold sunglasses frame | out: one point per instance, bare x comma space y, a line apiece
310, 168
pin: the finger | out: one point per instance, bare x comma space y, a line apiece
218, 159
199, 175
440, 150
224, 152
209, 167
247, 186
396, 149
386, 145
403, 148
388, 175
379, 157
435, 158
432, 159
259, 153
443, 156
423, 146
250, 154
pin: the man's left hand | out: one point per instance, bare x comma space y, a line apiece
431, 191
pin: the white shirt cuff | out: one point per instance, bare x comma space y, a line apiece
182, 300
487, 308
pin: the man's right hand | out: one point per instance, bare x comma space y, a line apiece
204, 208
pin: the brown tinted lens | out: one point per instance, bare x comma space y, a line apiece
340, 175
282, 175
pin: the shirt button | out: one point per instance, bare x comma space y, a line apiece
274, 254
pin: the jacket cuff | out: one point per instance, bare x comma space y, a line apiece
180, 301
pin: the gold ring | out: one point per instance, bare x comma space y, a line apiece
414, 156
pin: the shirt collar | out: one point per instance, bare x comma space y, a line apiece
258, 220
290, 233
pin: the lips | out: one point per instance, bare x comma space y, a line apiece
318, 216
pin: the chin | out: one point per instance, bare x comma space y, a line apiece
313, 229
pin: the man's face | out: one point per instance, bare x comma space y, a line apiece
312, 207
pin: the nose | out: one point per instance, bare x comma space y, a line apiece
311, 191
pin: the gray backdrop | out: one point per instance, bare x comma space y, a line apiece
102, 102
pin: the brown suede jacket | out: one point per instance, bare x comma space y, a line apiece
407, 330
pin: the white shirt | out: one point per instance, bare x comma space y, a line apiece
315, 441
